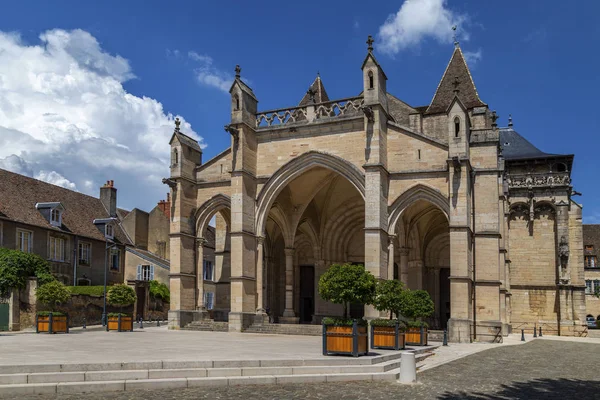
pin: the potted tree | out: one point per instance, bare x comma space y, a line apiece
120, 296
345, 284
415, 305
388, 333
52, 294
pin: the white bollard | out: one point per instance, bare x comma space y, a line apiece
408, 367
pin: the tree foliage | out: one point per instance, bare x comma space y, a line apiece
388, 296
416, 304
120, 295
16, 266
53, 293
159, 291
347, 283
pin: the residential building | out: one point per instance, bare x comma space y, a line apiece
591, 250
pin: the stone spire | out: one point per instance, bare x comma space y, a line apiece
315, 94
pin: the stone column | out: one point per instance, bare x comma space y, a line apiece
260, 305
200, 242
289, 317
404, 265
391, 240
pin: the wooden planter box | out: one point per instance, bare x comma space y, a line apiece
348, 340
387, 337
416, 336
119, 324
52, 323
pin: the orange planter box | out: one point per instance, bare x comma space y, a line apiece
113, 324
384, 337
415, 338
341, 340
60, 323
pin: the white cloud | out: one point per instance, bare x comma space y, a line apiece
66, 118
417, 20
208, 75
473, 57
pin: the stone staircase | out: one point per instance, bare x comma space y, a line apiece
207, 325
45, 379
286, 329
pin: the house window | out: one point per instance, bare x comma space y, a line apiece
55, 217
57, 249
109, 231
24, 240
596, 286
588, 287
209, 299
175, 157
85, 253
456, 127
591, 262
115, 260
145, 273
208, 270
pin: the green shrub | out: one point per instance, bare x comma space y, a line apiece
388, 322
336, 321
416, 304
88, 290
121, 296
159, 291
347, 283
16, 266
53, 294
388, 296
47, 313
417, 324
116, 315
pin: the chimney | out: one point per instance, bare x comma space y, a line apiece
165, 206
108, 197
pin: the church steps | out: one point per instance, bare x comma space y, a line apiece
101, 377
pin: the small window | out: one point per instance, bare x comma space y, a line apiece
419, 154
588, 287
591, 262
85, 253
560, 167
208, 271
236, 102
115, 256
596, 286
24, 240
57, 249
209, 298
145, 273
109, 231
371, 83
55, 217
456, 127
175, 158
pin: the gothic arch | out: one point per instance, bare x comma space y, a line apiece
414, 193
295, 168
210, 207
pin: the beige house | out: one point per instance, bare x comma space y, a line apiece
437, 196
591, 249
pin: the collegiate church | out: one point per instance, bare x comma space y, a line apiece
437, 196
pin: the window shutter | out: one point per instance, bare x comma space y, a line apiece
139, 273
152, 272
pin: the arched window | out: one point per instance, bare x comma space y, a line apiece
456, 127
370, 79
559, 167
236, 102
175, 158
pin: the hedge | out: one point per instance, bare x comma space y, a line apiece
88, 290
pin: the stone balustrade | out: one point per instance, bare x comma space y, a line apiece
531, 180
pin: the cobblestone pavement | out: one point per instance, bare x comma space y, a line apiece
541, 369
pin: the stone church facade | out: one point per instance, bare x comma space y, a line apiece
436, 196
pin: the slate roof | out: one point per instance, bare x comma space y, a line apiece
467, 93
151, 257
319, 90
516, 147
187, 140
19, 194
591, 236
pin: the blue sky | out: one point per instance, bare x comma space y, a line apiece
535, 60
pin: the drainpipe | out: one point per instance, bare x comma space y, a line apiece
474, 256
75, 259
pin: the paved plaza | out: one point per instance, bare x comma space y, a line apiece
548, 368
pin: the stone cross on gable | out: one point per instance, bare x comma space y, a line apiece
370, 42
177, 123
238, 71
